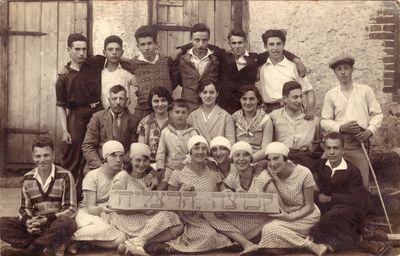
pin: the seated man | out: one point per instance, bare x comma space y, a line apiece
114, 123
45, 221
292, 129
342, 200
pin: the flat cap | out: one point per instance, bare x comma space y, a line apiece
344, 58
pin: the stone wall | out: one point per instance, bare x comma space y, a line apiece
318, 30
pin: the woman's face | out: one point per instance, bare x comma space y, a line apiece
199, 152
209, 95
241, 159
276, 163
115, 160
249, 101
139, 163
220, 154
160, 104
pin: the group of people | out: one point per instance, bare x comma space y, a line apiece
241, 125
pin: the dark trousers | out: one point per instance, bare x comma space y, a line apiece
72, 160
15, 233
303, 158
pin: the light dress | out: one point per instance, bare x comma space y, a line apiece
198, 235
291, 234
93, 227
140, 226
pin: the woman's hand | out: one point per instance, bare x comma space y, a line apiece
186, 187
283, 216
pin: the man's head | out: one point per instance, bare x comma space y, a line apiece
292, 95
178, 112
118, 99
200, 35
237, 42
146, 39
113, 49
43, 153
342, 65
274, 42
333, 146
77, 47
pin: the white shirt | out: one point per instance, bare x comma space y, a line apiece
241, 62
46, 184
142, 58
202, 63
273, 77
341, 166
110, 78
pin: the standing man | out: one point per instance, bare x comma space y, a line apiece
301, 136
351, 109
45, 221
277, 71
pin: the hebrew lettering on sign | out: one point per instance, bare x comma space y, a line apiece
194, 201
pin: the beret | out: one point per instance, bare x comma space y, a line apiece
220, 141
196, 139
139, 149
343, 58
277, 148
242, 145
111, 147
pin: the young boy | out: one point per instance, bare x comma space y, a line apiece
172, 148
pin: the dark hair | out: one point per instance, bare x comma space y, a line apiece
273, 33
199, 27
117, 88
202, 85
112, 39
146, 31
335, 136
42, 142
76, 37
289, 86
253, 88
237, 32
160, 91
181, 103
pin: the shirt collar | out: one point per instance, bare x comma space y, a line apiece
341, 166
209, 52
283, 62
51, 176
113, 114
105, 64
142, 58
241, 59
286, 115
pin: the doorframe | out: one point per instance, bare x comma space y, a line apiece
3, 82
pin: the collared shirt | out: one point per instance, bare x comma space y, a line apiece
296, 133
142, 58
110, 78
273, 77
341, 166
117, 118
46, 184
202, 63
241, 61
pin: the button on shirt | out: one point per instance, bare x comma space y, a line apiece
200, 64
45, 185
341, 166
296, 133
273, 77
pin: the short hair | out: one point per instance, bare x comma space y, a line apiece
112, 39
253, 88
76, 37
289, 86
199, 27
273, 33
117, 88
237, 32
160, 91
202, 85
181, 103
42, 142
146, 31
335, 136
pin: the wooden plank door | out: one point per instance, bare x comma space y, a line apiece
37, 50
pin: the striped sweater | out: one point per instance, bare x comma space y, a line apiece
58, 200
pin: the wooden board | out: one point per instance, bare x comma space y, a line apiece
3, 82
190, 13
222, 22
194, 201
207, 14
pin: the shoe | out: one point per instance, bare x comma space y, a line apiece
11, 251
375, 247
72, 248
121, 249
135, 249
59, 250
375, 235
252, 249
160, 248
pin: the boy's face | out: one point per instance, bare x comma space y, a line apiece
78, 51
200, 42
147, 47
178, 115
43, 157
113, 52
275, 47
237, 45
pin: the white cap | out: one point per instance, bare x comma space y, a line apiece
139, 149
277, 148
242, 145
196, 139
111, 147
220, 141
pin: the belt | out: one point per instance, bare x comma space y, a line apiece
90, 105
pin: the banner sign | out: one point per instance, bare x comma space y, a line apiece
194, 201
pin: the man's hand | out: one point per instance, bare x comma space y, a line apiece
309, 114
324, 198
363, 136
301, 69
66, 137
31, 228
350, 127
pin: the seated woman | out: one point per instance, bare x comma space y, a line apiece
150, 127
198, 235
299, 214
142, 228
209, 119
93, 213
252, 124
220, 149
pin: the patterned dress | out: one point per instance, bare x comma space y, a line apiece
198, 235
291, 234
140, 227
93, 227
